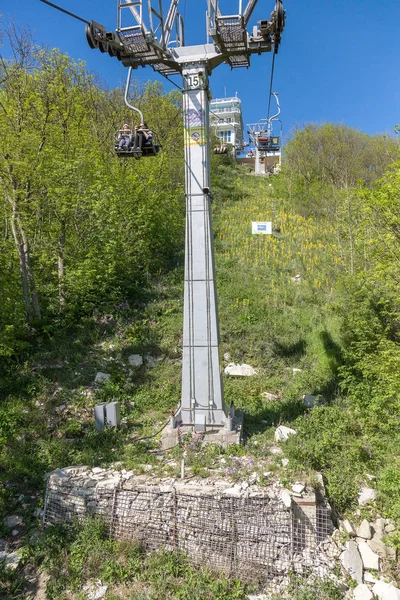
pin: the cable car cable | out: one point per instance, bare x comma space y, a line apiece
271, 82
170, 80
67, 12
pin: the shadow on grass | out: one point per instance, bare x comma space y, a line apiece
295, 351
332, 350
272, 415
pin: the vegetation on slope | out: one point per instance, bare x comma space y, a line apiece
91, 271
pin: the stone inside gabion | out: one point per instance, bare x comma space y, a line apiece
242, 529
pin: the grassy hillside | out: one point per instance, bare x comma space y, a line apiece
287, 307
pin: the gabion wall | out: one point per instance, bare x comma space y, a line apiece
245, 531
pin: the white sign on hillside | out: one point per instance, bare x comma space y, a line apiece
261, 227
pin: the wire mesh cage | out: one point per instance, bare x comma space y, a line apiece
249, 537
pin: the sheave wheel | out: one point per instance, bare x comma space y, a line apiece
91, 40
280, 16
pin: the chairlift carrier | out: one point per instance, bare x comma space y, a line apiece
136, 148
263, 132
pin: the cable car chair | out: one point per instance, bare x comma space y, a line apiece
141, 141
265, 141
221, 149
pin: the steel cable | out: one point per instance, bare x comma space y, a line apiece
270, 84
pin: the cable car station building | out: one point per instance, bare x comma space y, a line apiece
227, 122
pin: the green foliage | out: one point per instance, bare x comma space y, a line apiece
12, 583
91, 271
74, 556
330, 440
301, 589
92, 228
388, 487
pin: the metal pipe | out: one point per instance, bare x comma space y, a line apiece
275, 95
128, 82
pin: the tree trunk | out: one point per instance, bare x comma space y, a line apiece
30, 297
61, 266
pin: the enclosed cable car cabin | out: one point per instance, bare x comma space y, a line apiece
139, 143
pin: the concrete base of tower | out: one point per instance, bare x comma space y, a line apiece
231, 433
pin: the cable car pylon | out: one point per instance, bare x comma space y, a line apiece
146, 36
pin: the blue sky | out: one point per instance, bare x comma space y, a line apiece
338, 60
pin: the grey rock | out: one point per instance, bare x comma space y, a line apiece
97, 470
298, 488
362, 592
239, 370
384, 551
351, 561
364, 530
286, 498
12, 521
369, 558
348, 527
88, 483
34, 537
386, 591
379, 527
11, 560
377, 546
102, 377
366, 496
253, 478
234, 492
276, 450
110, 483
336, 536
282, 433
269, 396
95, 591
135, 360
